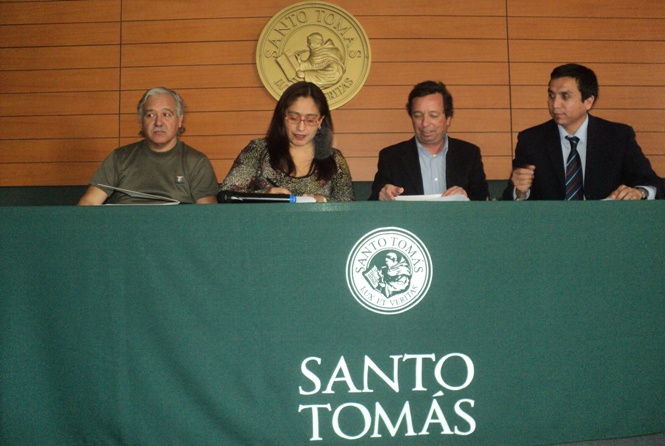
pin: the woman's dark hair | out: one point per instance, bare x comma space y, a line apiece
277, 139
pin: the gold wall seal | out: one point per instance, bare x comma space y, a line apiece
316, 42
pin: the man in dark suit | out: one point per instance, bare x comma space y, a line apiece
430, 162
611, 163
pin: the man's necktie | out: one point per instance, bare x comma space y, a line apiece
574, 183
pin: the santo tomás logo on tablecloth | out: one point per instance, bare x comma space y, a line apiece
316, 42
389, 270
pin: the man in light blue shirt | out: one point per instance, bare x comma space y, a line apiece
431, 162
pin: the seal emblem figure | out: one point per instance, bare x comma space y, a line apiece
389, 270
316, 42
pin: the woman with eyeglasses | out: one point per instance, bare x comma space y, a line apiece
296, 156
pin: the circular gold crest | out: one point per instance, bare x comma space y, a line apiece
316, 42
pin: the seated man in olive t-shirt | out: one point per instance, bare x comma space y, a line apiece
160, 164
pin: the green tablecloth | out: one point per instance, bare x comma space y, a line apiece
238, 324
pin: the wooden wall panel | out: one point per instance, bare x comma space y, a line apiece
72, 72
66, 80
180, 77
562, 51
587, 8
448, 50
58, 127
188, 54
59, 35
658, 163
56, 151
640, 120
429, 27
450, 73
59, 89
73, 11
68, 103
177, 9
497, 167
198, 30
64, 57
586, 28
650, 142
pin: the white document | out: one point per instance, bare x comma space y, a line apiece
135, 194
433, 197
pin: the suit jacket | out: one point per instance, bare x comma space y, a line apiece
399, 165
613, 158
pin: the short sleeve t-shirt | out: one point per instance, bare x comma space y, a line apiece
182, 173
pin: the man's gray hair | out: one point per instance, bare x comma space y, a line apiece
180, 104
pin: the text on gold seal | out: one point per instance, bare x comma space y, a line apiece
316, 42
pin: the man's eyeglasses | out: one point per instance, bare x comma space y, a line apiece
295, 119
